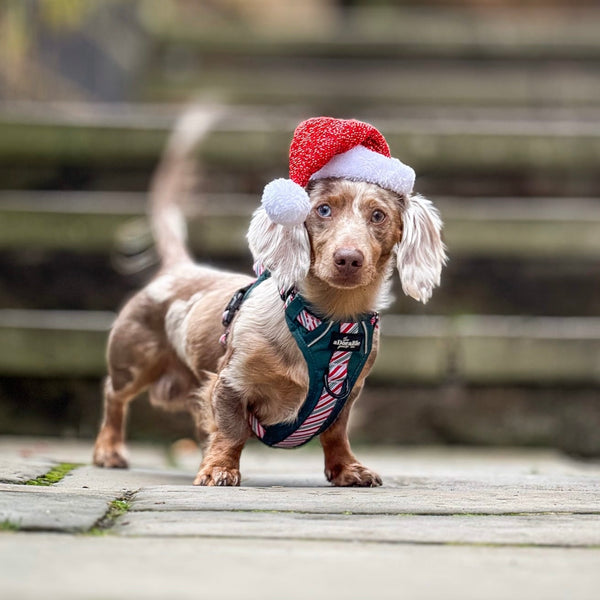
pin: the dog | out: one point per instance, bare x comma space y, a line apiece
339, 258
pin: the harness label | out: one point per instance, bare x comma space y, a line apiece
346, 342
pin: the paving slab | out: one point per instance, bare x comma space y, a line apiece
55, 449
82, 567
121, 481
307, 461
20, 471
536, 530
533, 494
52, 489
50, 511
448, 522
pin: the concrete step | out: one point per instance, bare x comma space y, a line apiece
482, 349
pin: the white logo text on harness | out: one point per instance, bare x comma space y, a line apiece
346, 342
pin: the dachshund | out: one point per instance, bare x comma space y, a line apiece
339, 260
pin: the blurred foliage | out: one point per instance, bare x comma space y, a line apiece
19, 21
65, 14
14, 33
22, 68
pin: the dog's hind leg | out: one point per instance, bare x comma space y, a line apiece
109, 450
134, 362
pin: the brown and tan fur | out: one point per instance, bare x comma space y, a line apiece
166, 338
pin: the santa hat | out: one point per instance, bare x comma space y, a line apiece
326, 147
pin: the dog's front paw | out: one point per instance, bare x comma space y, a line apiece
110, 456
352, 474
218, 476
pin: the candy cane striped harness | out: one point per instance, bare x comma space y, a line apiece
335, 353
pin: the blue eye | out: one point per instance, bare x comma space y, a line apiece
378, 216
324, 210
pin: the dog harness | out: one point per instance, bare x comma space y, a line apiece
335, 353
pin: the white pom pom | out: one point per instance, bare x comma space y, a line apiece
286, 202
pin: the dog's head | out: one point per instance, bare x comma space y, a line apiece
350, 237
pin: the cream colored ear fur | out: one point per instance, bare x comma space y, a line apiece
285, 251
421, 252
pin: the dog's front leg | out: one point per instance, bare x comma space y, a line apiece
342, 468
221, 460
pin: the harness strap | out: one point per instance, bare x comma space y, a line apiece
335, 385
234, 305
335, 354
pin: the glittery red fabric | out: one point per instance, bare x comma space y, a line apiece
316, 141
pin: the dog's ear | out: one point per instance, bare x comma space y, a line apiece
421, 252
285, 251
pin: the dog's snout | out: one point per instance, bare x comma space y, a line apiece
348, 260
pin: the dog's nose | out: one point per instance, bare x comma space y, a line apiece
348, 260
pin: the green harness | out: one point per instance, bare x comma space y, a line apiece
335, 353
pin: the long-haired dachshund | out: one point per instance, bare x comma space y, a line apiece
296, 344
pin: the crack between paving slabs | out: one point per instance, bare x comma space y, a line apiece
116, 509
350, 540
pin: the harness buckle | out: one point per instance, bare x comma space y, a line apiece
234, 305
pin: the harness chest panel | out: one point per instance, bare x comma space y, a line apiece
335, 353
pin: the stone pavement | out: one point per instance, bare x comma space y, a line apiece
448, 523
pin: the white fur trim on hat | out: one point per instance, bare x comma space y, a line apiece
286, 202
363, 164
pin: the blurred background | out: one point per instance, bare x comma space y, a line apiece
494, 103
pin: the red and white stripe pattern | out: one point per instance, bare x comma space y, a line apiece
290, 297
308, 321
258, 268
336, 377
258, 429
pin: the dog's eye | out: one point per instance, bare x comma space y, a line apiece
378, 216
324, 210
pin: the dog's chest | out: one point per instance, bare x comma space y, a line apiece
294, 369
265, 365
336, 353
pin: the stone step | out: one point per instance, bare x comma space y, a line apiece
477, 227
372, 54
395, 31
341, 86
560, 149
480, 349
73, 280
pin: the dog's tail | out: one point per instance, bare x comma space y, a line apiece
173, 180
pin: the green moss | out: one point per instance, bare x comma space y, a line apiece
54, 475
9, 526
96, 531
115, 509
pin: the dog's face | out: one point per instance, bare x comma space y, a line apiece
352, 232
353, 228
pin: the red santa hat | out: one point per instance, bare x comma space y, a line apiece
326, 147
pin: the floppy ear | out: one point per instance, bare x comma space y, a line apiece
285, 251
421, 252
